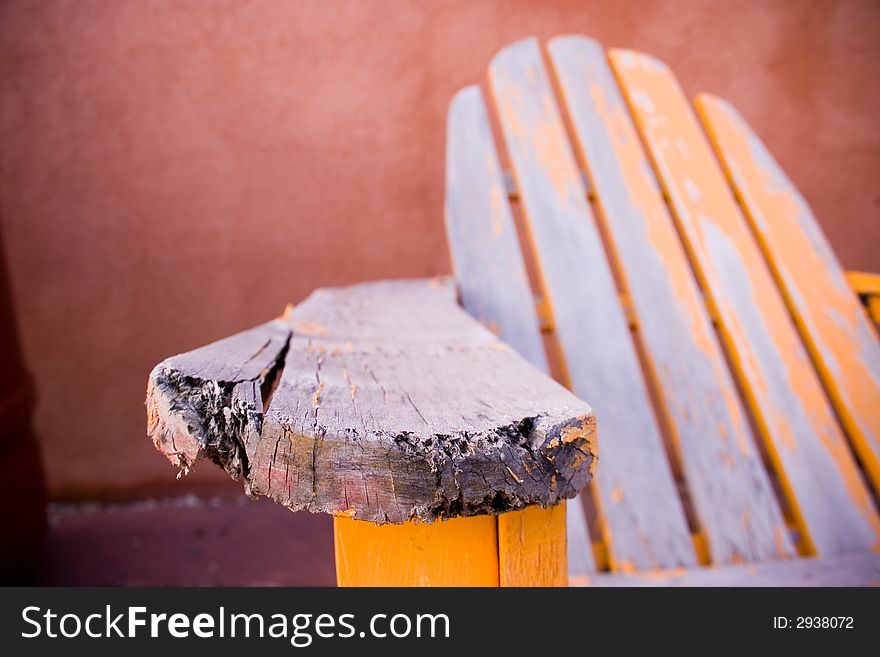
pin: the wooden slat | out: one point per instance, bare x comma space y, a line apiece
731, 492
847, 570
832, 323
531, 547
486, 257
832, 505
649, 529
458, 552
489, 267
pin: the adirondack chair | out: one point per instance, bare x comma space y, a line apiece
690, 296
684, 289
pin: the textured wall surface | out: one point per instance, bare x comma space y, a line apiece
173, 172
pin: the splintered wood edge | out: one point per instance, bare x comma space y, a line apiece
217, 403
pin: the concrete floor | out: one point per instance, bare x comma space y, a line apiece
186, 541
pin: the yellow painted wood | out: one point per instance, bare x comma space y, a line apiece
874, 309
531, 547
545, 315
868, 285
863, 282
839, 337
831, 503
457, 552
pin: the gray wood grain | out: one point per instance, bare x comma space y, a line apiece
488, 263
860, 569
644, 523
391, 404
730, 490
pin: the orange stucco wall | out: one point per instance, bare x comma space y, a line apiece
174, 172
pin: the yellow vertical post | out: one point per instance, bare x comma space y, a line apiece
521, 548
532, 547
456, 552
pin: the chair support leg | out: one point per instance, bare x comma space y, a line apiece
522, 548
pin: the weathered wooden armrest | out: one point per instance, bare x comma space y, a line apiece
383, 402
